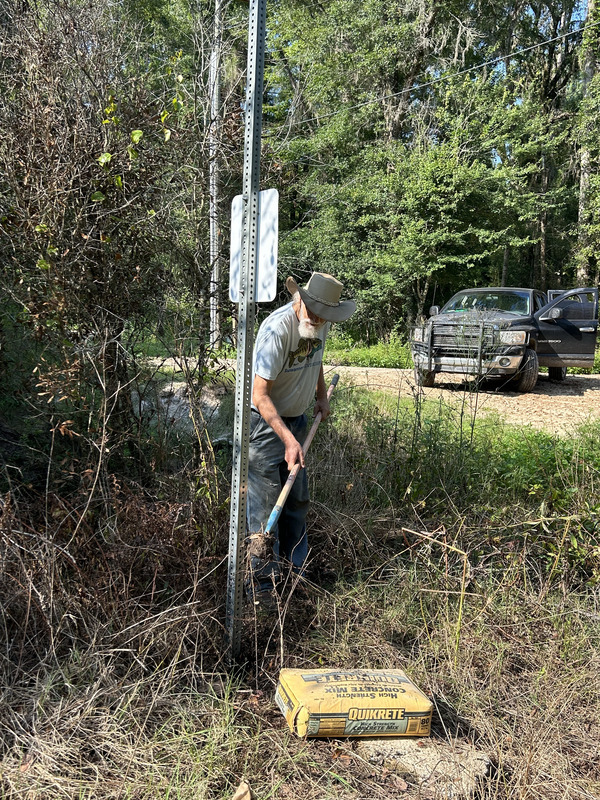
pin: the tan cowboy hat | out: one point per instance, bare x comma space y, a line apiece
321, 295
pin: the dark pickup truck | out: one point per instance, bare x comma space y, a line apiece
508, 333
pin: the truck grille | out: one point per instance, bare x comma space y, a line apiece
463, 341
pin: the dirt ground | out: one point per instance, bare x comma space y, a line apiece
552, 406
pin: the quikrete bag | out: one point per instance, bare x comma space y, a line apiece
324, 702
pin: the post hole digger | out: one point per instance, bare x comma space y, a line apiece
263, 557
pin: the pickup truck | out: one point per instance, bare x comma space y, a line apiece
507, 333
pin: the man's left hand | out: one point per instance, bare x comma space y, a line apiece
323, 407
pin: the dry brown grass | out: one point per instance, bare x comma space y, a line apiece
115, 685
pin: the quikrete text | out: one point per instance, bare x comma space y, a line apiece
375, 713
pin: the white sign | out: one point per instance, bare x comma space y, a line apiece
265, 280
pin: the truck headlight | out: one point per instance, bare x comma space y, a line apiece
513, 337
418, 335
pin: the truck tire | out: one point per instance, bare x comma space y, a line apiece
557, 373
527, 376
424, 378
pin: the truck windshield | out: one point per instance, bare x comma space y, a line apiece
509, 302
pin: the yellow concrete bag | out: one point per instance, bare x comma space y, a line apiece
325, 702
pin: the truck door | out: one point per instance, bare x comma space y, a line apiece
568, 339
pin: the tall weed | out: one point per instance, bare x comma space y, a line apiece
393, 352
442, 542
432, 464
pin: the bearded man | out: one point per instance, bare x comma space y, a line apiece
288, 376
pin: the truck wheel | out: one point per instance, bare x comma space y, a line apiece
424, 378
526, 378
557, 373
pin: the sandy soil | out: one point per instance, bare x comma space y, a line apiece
552, 406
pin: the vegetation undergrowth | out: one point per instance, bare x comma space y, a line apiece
446, 543
392, 352
595, 369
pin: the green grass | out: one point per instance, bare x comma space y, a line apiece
393, 353
446, 463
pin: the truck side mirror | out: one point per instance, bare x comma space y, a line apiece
555, 313
434, 311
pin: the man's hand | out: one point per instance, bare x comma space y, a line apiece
322, 405
293, 452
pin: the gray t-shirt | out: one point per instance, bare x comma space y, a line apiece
292, 362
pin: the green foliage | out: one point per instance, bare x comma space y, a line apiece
398, 171
408, 188
393, 353
104, 217
446, 464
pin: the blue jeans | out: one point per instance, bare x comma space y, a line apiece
267, 474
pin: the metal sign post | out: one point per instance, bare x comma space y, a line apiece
241, 430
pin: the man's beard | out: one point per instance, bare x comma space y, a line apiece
309, 331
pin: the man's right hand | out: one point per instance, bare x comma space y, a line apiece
293, 452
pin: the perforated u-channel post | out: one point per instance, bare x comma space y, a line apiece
241, 429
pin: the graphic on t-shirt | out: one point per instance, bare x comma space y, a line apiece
306, 349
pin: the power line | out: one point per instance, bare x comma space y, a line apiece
434, 81
242, 25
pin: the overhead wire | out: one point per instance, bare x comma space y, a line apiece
239, 27
243, 25
435, 81
432, 82
425, 84
448, 76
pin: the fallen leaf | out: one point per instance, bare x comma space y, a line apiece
243, 792
341, 754
27, 762
400, 784
255, 698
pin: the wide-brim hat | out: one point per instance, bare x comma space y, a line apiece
321, 295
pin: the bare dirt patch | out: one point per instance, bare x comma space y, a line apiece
556, 407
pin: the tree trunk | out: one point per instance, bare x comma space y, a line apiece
543, 267
214, 179
505, 265
421, 296
396, 105
585, 162
543, 250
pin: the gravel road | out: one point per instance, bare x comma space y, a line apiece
552, 406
